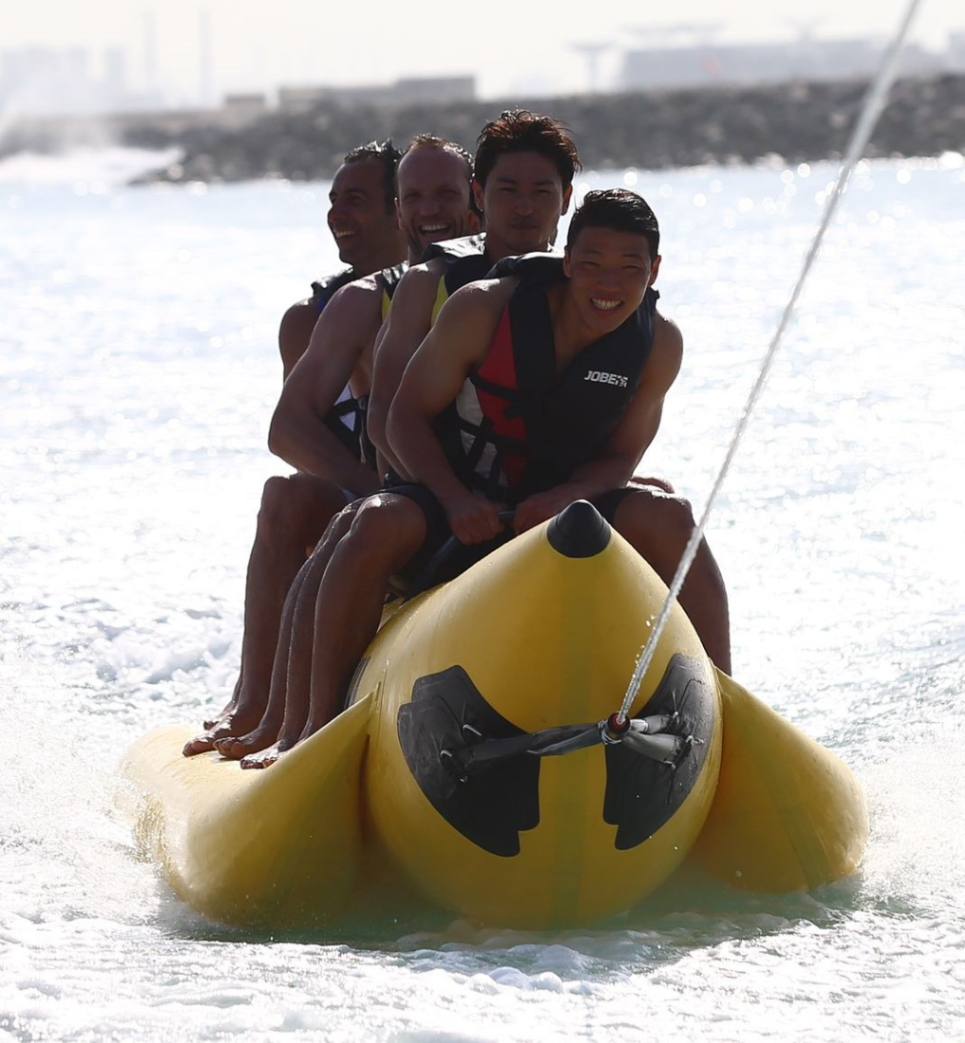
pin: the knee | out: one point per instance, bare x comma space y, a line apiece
338, 526
284, 512
342, 521
651, 482
275, 504
677, 514
385, 531
648, 513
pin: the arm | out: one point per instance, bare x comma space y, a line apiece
637, 429
294, 334
404, 330
298, 432
432, 380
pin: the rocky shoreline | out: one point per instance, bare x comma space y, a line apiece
796, 121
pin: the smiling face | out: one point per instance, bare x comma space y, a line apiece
609, 273
522, 202
361, 221
433, 198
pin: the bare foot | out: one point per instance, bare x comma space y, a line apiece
229, 726
233, 748
266, 758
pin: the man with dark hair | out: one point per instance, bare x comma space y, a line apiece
434, 197
523, 180
362, 220
519, 130
534, 389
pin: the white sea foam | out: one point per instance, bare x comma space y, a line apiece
85, 169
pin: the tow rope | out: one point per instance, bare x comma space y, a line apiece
652, 737
874, 102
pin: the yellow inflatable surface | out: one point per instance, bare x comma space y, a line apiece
470, 764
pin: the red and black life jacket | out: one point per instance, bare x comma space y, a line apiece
519, 427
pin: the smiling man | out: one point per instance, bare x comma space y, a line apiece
433, 202
533, 389
363, 222
522, 183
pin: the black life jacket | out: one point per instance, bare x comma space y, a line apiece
466, 262
325, 289
346, 419
519, 427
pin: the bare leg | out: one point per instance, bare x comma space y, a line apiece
294, 512
266, 732
658, 527
387, 531
287, 707
229, 707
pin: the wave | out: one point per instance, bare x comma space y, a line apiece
108, 166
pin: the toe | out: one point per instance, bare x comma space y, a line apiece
199, 744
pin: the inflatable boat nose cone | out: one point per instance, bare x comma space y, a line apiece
579, 531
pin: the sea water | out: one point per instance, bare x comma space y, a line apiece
139, 369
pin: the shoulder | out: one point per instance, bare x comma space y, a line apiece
483, 297
426, 271
298, 319
359, 301
357, 293
300, 309
666, 354
465, 327
418, 286
667, 335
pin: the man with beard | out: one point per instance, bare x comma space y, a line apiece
433, 203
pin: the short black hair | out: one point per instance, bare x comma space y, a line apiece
384, 153
620, 210
519, 130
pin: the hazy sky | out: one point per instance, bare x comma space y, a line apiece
511, 45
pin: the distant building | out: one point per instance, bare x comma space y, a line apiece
407, 91
422, 89
709, 63
244, 106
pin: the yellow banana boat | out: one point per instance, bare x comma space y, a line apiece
474, 764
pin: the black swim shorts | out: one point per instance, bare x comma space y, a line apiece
442, 557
